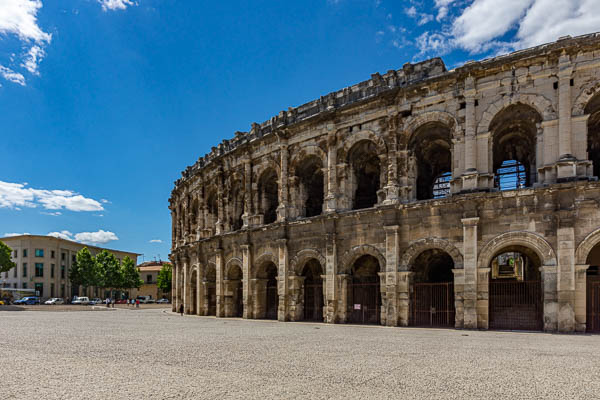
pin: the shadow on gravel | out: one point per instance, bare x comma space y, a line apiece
12, 308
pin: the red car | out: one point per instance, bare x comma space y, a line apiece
122, 301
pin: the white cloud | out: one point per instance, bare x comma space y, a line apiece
19, 18
423, 18
115, 4
411, 11
54, 214
13, 195
436, 43
443, 7
155, 241
15, 234
99, 237
62, 235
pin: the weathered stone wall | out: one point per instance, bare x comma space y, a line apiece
376, 145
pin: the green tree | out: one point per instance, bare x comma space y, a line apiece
6, 263
165, 278
131, 274
109, 268
84, 272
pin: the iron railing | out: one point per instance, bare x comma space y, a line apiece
516, 305
432, 304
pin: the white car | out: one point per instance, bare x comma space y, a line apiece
81, 300
54, 301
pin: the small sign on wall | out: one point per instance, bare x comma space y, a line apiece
357, 306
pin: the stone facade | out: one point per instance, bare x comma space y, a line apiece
378, 184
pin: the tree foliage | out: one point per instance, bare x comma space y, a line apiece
84, 272
6, 263
109, 270
130, 274
165, 278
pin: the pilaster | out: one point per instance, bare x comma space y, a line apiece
283, 187
459, 284
246, 287
392, 248
282, 280
566, 277
220, 289
331, 295
581, 297
470, 289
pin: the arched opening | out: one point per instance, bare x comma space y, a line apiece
268, 190
237, 207
210, 290
432, 297
193, 217
313, 291
515, 290
593, 136
212, 209
514, 133
194, 291
311, 193
593, 291
364, 297
431, 146
235, 300
366, 170
268, 298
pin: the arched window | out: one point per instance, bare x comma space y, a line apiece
366, 170
268, 190
593, 138
431, 148
237, 206
441, 185
514, 132
311, 193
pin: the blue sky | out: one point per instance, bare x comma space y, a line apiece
104, 102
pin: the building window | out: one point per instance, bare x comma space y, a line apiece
148, 278
15, 273
511, 175
15, 254
62, 272
24, 285
74, 258
39, 289
39, 252
52, 253
14, 285
39, 269
24, 252
51, 270
24, 270
62, 290
441, 185
63, 256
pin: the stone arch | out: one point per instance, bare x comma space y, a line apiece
261, 260
586, 245
414, 122
422, 245
349, 141
356, 252
304, 152
266, 163
541, 104
232, 263
302, 257
530, 240
585, 95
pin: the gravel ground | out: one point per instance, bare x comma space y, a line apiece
154, 354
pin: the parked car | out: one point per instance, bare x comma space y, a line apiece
30, 300
162, 301
81, 301
95, 301
122, 301
55, 301
145, 299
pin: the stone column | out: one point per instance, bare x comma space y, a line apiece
246, 287
470, 129
331, 198
566, 277
174, 284
296, 298
283, 187
459, 283
392, 248
565, 70
199, 293
248, 188
220, 205
392, 188
549, 285
405, 279
470, 292
220, 290
184, 284
331, 293
483, 297
342, 281
282, 280
581, 297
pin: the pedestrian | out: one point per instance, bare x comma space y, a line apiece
181, 309
112, 303
137, 303
107, 302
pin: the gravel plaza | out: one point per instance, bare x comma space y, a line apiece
155, 354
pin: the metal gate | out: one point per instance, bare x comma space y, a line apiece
313, 302
272, 302
432, 304
239, 303
516, 305
364, 303
593, 304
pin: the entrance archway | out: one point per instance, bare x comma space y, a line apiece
432, 297
593, 291
515, 290
235, 301
210, 283
364, 297
268, 299
313, 291
194, 290
365, 174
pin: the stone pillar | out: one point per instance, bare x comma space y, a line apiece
330, 283
220, 289
459, 284
581, 297
282, 281
470, 128
283, 187
199, 293
384, 302
246, 287
549, 285
405, 279
259, 296
331, 198
185, 285
470, 295
566, 277
248, 189
392, 188
483, 298
296, 298
220, 205
565, 70
342, 281
392, 249
205, 298
175, 285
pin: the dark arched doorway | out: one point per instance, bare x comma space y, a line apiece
515, 290
364, 297
268, 190
366, 170
267, 291
431, 146
593, 291
311, 188
432, 297
313, 291
235, 302
210, 283
194, 291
